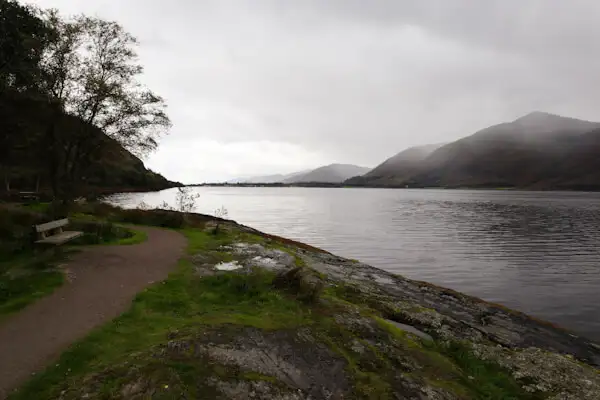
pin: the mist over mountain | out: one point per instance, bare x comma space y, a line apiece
275, 178
397, 169
539, 150
333, 173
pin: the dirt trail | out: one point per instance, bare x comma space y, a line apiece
103, 282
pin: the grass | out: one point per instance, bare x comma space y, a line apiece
136, 237
186, 304
27, 278
40, 207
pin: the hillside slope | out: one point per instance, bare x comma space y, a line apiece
28, 150
397, 169
578, 167
531, 151
537, 151
125, 171
333, 173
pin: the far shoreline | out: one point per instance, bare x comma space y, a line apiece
342, 186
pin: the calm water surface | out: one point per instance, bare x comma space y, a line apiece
538, 252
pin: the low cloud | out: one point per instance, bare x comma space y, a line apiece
269, 86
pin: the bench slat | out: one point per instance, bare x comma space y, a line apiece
51, 225
61, 238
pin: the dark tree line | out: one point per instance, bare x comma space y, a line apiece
70, 98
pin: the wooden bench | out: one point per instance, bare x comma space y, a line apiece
52, 233
29, 196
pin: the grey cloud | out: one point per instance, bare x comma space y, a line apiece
541, 27
354, 80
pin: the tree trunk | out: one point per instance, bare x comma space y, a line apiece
53, 157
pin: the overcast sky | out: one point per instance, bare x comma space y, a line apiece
273, 86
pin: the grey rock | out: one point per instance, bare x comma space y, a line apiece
411, 329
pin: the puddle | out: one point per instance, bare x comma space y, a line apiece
265, 262
383, 279
228, 266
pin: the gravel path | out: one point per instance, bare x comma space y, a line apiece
103, 280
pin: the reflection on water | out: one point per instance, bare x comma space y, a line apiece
535, 251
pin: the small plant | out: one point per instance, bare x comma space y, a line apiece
186, 199
143, 206
166, 206
220, 214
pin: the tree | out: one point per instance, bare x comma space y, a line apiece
24, 37
91, 73
70, 97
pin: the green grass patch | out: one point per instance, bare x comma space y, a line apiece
41, 207
26, 278
136, 237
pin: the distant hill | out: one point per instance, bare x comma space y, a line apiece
333, 173
539, 150
276, 178
397, 169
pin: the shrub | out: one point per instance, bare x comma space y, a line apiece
186, 199
162, 218
16, 230
168, 219
97, 208
96, 232
220, 213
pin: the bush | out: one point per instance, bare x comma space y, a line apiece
97, 208
162, 218
16, 230
96, 232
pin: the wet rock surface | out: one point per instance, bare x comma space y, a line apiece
445, 313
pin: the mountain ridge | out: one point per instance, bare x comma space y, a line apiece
331, 173
398, 167
274, 178
538, 150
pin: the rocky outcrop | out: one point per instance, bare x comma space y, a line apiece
408, 331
